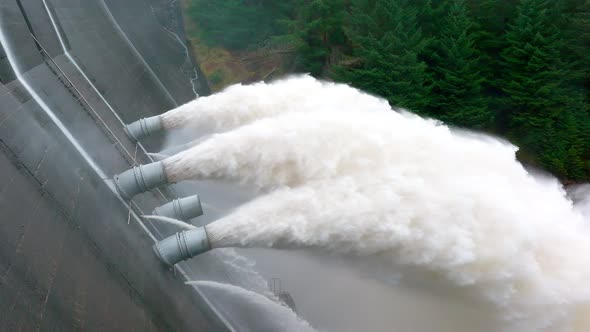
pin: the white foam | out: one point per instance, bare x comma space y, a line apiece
455, 207
241, 104
293, 148
580, 194
532, 265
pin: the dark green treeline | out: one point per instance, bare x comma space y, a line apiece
520, 69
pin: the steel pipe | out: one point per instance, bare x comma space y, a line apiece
143, 127
182, 246
183, 209
140, 179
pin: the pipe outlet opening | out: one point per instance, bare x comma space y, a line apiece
143, 127
140, 179
182, 246
183, 209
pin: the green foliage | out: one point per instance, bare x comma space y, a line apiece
238, 24
457, 82
518, 68
216, 77
318, 31
577, 36
531, 62
542, 109
431, 16
388, 41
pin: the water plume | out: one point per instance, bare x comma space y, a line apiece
241, 104
580, 195
532, 266
293, 148
411, 194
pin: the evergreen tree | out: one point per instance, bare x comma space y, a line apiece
318, 32
387, 42
542, 118
431, 15
577, 35
531, 66
457, 96
525, 60
491, 18
238, 24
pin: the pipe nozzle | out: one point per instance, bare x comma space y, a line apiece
183, 209
182, 246
143, 127
140, 179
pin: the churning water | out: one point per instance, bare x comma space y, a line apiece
406, 193
240, 104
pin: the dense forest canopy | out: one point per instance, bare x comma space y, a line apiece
517, 68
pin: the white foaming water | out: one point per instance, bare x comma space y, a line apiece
580, 194
296, 147
241, 104
532, 265
258, 308
413, 195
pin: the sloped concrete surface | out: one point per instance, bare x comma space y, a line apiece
73, 254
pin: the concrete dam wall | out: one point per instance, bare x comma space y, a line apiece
73, 254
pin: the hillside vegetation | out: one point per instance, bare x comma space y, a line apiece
519, 69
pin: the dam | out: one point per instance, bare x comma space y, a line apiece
134, 199
75, 255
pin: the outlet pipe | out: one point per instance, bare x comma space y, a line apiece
183, 209
140, 179
144, 127
182, 246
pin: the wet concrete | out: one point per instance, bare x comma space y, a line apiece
73, 256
